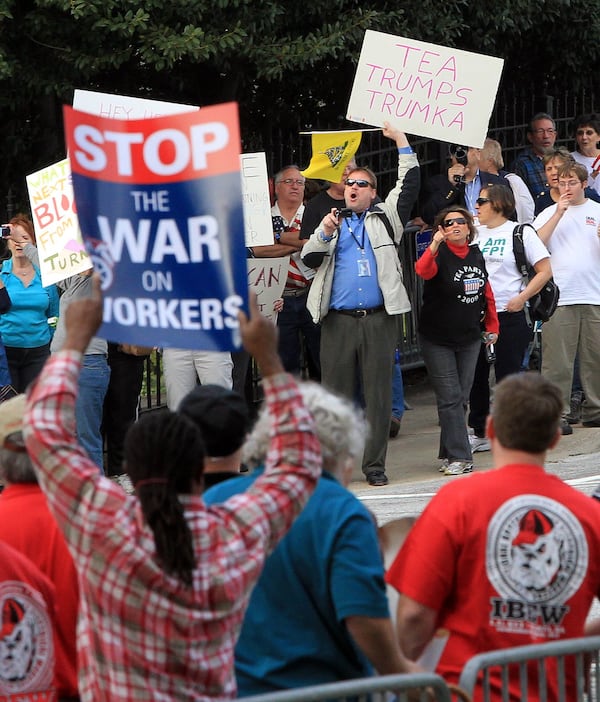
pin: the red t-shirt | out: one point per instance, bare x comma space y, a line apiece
27, 622
27, 525
507, 558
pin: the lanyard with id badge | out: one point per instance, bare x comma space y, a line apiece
364, 266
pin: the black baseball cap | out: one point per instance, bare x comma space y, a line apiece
221, 415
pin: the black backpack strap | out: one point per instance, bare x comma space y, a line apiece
519, 251
521, 261
386, 222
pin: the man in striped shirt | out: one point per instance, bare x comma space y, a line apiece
294, 321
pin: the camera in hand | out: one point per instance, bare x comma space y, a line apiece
460, 154
490, 351
5, 231
343, 213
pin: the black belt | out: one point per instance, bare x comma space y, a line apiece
360, 312
295, 293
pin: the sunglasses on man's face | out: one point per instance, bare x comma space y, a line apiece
361, 183
482, 200
456, 220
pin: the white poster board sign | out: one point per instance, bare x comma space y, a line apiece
253, 167
425, 89
60, 246
266, 277
124, 107
257, 203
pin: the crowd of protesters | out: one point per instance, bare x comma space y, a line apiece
177, 595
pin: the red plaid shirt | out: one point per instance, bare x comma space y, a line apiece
142, 634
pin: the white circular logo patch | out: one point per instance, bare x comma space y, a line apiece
536, 551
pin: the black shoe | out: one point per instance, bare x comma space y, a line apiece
574, 416
394, 427
592, 423
565, 428
377, 478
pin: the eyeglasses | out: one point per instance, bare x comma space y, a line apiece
456, 220
361, 183
568, 183
293, 181
482, 200
541, 132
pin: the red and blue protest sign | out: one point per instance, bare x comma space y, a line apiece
159, 203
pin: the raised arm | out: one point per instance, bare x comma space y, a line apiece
65, 472
403, 195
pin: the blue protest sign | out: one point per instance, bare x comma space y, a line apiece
160, 208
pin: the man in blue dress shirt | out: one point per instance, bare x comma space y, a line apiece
357, 293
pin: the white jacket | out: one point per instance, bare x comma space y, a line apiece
396, 208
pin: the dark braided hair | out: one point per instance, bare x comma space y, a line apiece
164, 454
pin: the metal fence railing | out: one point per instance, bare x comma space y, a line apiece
557, 671
423, 687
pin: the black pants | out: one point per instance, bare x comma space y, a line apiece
120, 403
25, 365
515, 335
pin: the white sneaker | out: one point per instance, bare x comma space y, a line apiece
444, 465
458, 468
478, 444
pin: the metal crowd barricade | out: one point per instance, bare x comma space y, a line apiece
515, 664
420, 686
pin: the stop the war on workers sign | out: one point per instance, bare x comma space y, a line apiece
160, 210
429, 90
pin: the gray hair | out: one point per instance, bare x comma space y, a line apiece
16, 467
340, 428
281, 171
493, 151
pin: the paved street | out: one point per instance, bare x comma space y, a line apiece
412, 464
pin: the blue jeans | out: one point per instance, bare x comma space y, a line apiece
5, 378
450, 370
93, 384
397, 391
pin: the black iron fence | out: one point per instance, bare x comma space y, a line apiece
508, 125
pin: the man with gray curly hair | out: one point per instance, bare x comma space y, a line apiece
319, 612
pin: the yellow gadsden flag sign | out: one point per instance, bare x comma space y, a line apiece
331, 152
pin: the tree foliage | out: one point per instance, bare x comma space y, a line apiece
286, 63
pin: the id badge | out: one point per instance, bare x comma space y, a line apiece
364, 269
